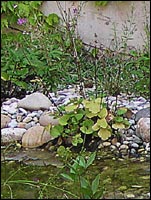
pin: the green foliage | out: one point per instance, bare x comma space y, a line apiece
88, 117
36, 58
12, 10
101, 3
87, 189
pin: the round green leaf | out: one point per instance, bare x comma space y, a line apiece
121, 111
104, 134
56, 131
118, 126
95, 127
79, 116
71, 108
64, 120
103, 113
118, 119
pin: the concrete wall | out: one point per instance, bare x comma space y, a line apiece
100, 19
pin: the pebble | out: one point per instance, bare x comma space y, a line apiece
135, 145
133, 151
22, 118
106, 144
130, 196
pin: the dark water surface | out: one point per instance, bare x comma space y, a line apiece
120, 178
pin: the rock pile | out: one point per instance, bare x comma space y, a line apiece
28, 117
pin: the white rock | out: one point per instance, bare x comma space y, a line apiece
9, 135
13, 123
27, 119
35, 101
22, 110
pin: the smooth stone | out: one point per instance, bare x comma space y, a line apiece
135, 145
136, 139
123, 146
47, 119
14, 116
28, 125
35, 101
113, 147
131, 121
12, 110
33, 114
9, 135
35, 119
133, 151
106, 144
129, 138
13, 123
6, 107
143, 113
130, 196
5, 121
23, 111
143, 129
27, 119
118, 144
126, 142
35, 137
130, 132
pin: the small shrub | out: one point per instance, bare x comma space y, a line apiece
82, 118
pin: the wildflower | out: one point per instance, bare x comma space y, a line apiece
21, 21
75, 10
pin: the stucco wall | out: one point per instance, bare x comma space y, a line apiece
99, 20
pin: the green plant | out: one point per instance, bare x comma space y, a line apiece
101, 3
39, 47
87, 189
87, 117
121, 69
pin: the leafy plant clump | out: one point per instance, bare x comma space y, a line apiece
77, 175
87, 118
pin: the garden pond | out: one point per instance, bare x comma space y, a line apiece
35, 174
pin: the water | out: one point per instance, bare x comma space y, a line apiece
121, 179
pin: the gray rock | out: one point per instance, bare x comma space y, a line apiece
143, 113
28, 125
133, 151
135, 145
123, 146
136, 139
143, 129
23, 111
130, 132
13, 123
9, 135
47, 119
35, 101
33, 114
27, 119
106, 144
